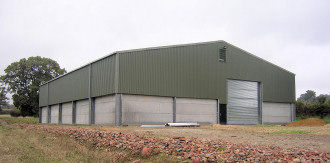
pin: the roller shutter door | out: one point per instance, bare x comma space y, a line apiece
243, 102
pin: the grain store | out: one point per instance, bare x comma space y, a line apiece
209, 83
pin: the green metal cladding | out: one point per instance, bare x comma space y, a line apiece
191, 70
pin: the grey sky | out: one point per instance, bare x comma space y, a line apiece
292, 34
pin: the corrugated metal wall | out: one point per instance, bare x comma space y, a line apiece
195, 71
278, 85
69, 87
103, 76
43, 95
192, 71
74, 85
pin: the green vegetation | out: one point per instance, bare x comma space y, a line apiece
221, 148
3, 97
23, 78
310, 105
290, 132
325, 119
5, 111
15, 113
21, 120
23, 145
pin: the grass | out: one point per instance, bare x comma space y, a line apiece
325, 119
25, 120
290, 132
23, 145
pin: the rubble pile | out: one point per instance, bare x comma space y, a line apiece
195, 149
307, 122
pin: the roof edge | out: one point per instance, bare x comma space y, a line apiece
168, 46
164, 47
259, 58
78, 68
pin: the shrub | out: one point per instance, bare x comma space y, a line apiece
15, 113
5, 112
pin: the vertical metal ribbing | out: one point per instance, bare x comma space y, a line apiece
117, 73
118, 109
174, 109
60, 113
89, 93
218, 115
73, 112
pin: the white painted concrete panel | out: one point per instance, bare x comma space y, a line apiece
276, 113
67, 113
150, 107
82, 112
140, 109
194, 101
205, 119
105, 99
105, 110
142, 118
143, 98
44, 115
54, 114
196, 110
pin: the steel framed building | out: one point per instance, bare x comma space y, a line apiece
209, 82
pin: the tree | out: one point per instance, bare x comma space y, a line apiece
23, 79
3, 98
308, 96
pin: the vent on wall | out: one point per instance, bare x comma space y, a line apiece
222, 54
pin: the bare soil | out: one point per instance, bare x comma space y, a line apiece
304, 137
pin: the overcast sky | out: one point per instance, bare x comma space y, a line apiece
292, 34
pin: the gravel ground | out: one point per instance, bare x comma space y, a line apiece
315, 138
209, 143
311, 138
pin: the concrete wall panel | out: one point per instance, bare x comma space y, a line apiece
54, 114
105, 110
82, 112
196, 110
276, 113
44, 115
67, 113
140, 109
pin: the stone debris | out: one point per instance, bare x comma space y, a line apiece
307, 122
194, 149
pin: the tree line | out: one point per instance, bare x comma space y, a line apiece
310, 105
23, 78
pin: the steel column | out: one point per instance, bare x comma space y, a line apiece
174, 109
73, 112
89, 94
49, 113
118, 108
60, 113
218, 117
40, 114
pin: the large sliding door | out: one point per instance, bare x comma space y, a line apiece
243, 102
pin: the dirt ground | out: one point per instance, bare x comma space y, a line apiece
308, 138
